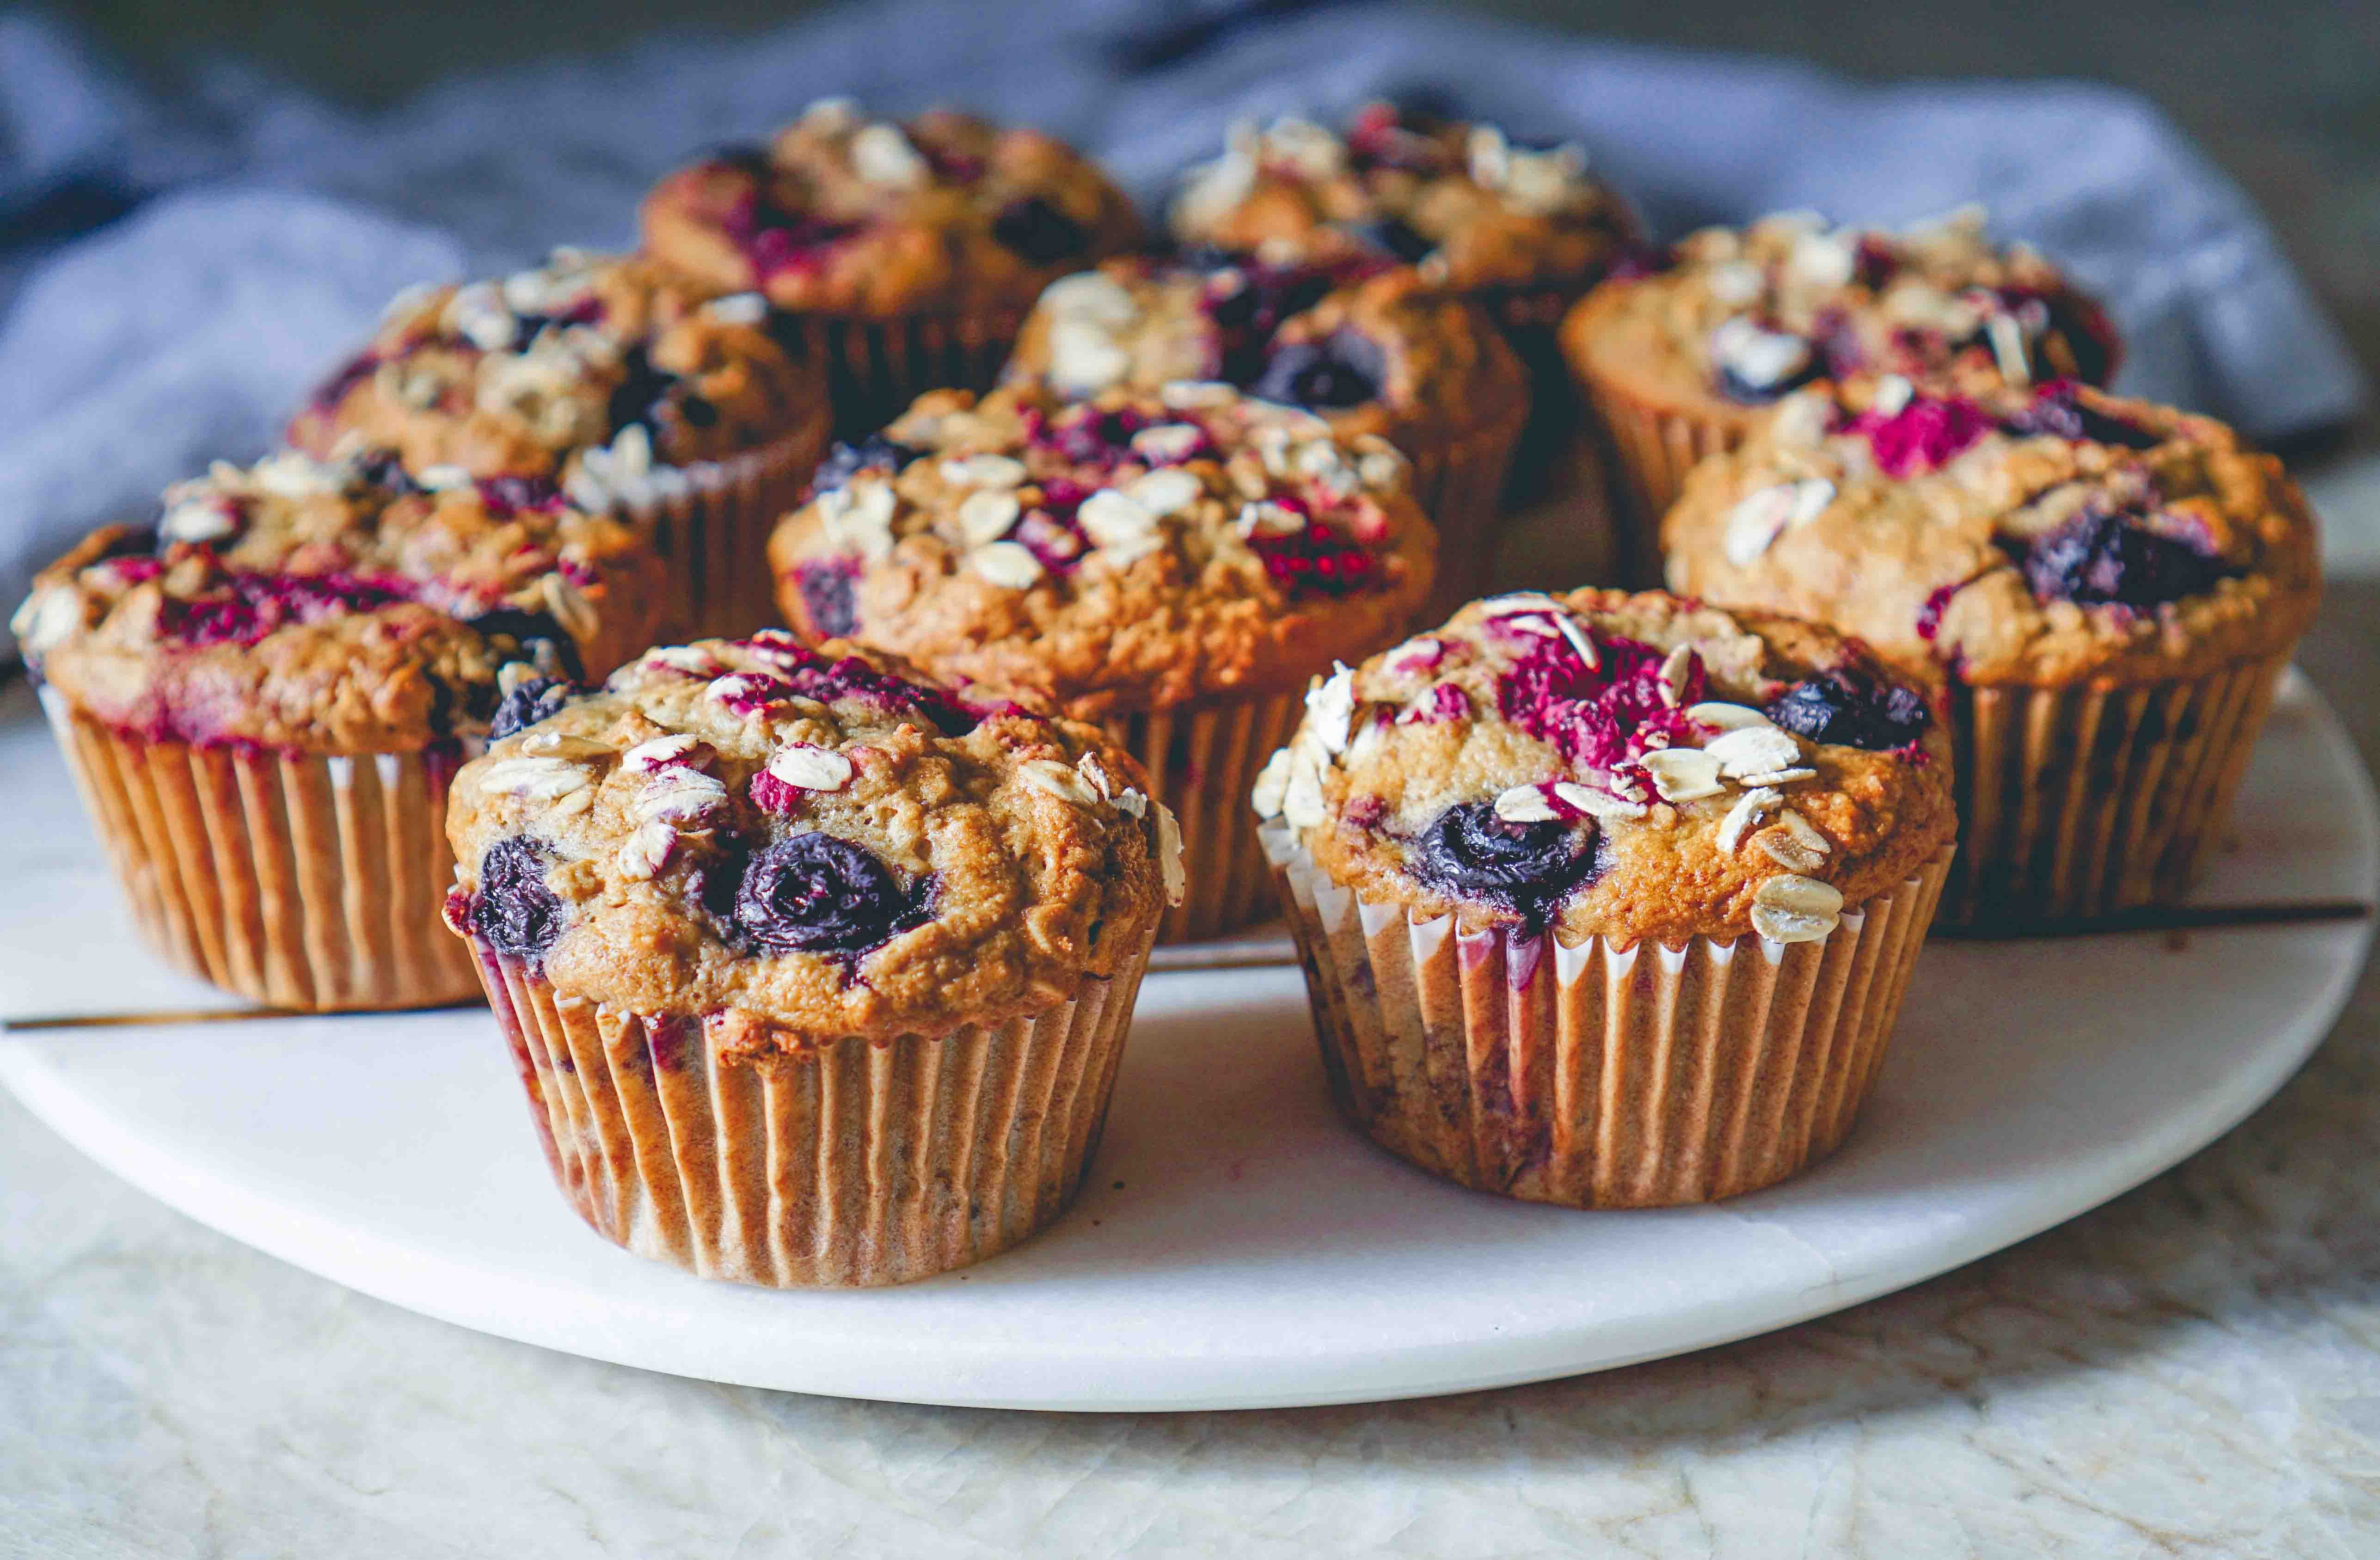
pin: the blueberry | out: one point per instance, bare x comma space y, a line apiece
2057, 410
1850, 710
642, 394
874, 453
813, 893
1394, 236
1039, 231
2100, 558
1344, 368
531, 699
526, 630
1523, 869
828, 587
516, 913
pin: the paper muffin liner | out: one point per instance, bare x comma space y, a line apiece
1596, 1077
1459, 484
857, 1163
1654, 447
296, 880
875, 368
2079, 802
713, 529
1202, 762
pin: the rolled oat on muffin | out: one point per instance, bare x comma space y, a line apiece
814, 973
1366, 346
1175, 565
1589, 916
910, 249
264, 696
1524, 231
1680, 361
2109, 588
696, 414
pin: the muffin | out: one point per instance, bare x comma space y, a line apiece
1680, 361
814, 975
1174, 567
1368, 348
2109, 590
1522, 230
694, 414
264, 698
910, 250
1591, 912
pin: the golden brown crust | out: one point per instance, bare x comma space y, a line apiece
1929, 569
1494, 218
605, 373
314, 608
1937, 303
1161, 579
1446, 720
1444, 373
1034, 858
942, 213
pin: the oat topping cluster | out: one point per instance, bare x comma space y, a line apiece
1791, 300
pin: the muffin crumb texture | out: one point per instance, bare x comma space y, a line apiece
1629, 767
335, 607
794, 846
2035, 536
1128, 552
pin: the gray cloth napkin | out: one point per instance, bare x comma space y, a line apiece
180, 269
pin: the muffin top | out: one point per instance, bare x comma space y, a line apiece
335, 607
1367, 346
2015, 536
795, 846
1461, 201
1616, 766
602, 373
1741, 319
1132, 552
878, 219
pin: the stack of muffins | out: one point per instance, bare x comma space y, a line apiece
1028, 592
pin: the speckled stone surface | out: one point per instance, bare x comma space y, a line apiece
2193, 1370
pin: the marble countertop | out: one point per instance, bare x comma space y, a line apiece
2193, 1369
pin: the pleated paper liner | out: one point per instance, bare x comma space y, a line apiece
1655, 447
1595, 1077
1460, 485
296, 880
875, 368
857, 1163
1202, 762
2079, 802
712, 529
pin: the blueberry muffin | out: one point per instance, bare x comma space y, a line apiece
1369, 349
2109, 590
1681, 360
1610, 900
911, 248
815, 974
696, 415
1522, 230
264, 696
1174, 566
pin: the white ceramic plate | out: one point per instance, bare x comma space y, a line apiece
1237, 1247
